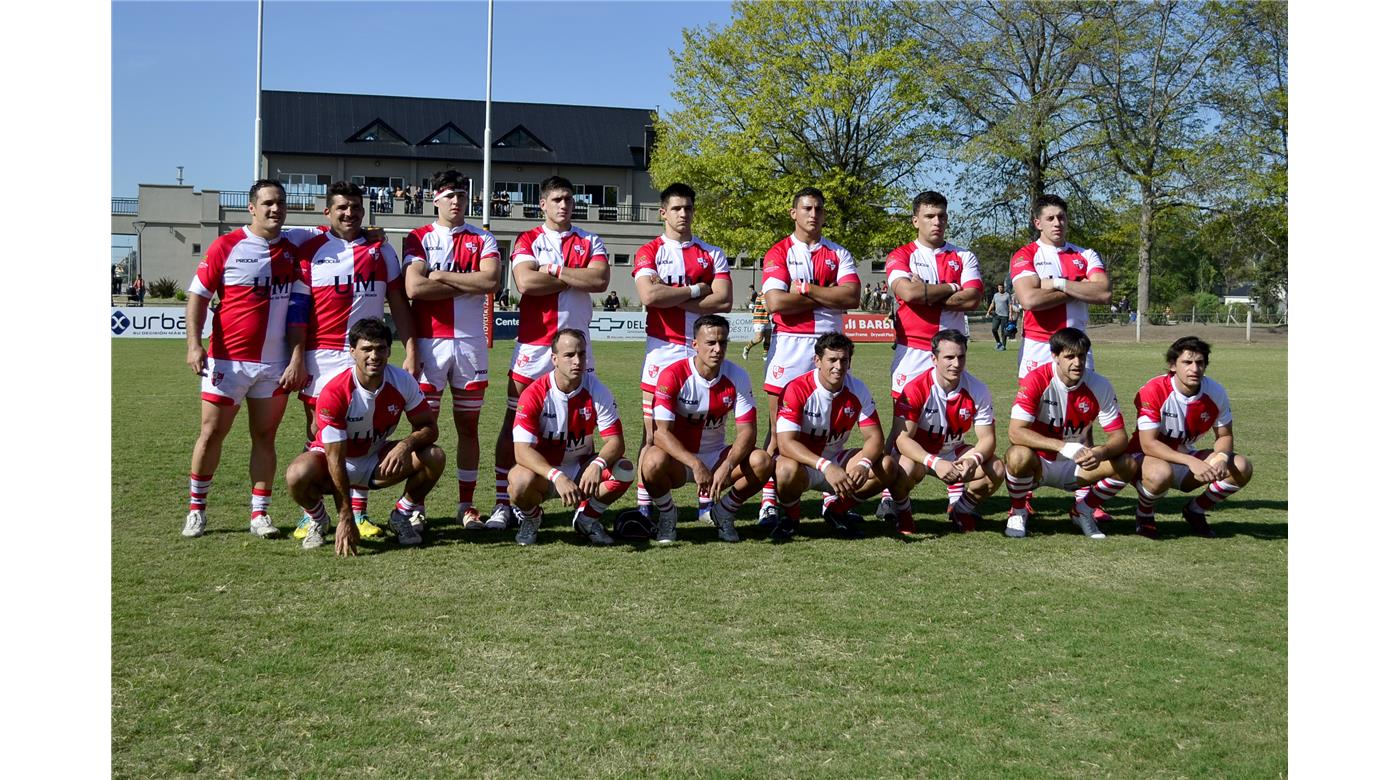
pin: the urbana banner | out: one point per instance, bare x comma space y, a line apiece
152, 322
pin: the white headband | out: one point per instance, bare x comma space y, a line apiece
445, 191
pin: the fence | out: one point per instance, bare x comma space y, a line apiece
125, 206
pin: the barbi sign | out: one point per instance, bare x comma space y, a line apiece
153, 323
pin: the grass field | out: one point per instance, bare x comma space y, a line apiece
948, 656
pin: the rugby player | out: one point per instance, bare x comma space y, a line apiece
357, 411
555, 267
349, 277
251, 352
553, 439
818, 410
1173, 411
933, 414
1050, 422
679, 278
452, 271
694, 396
808, 284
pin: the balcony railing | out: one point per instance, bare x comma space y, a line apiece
301, 201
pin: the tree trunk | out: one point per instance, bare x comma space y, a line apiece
1145, 235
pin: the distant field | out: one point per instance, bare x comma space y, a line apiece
951, 655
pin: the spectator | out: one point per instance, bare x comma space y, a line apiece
611, 302
865, 296
753, 296
138, 287
502, 299
1000, 312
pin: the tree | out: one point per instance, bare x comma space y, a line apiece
789, 95
1152, 75
1013, 75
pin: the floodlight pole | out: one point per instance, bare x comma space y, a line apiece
257, 106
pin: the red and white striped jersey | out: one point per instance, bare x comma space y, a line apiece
459, 250
697, 407
944, 417
1047, 261
822, 419
254, 279
560, 425
825, 264
914, 323
365, 419
1065, 413
541, 316
349, 281
678, 264
1179, 419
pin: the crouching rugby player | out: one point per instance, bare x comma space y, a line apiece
356, 413
1050, 422
1173, 411
693, 398
815, 417
554, 453
932, 415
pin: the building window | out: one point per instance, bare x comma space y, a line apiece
377, 131
448, 135
595, 194
195, 249
304, 183
621, 259
520, 138
519, 191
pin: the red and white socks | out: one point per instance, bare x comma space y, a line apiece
259, 503
199, 491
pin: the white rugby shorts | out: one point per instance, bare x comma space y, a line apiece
789, 357
452, 362
659, 355
1035, 354
228, 382
908, 364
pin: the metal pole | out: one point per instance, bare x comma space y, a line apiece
486, 190
257, 108
1248, 323
1139, 326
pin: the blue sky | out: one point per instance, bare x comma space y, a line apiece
183, 73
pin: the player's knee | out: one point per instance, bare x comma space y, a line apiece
1243, 470
785, 469
761, 463
1019, 460
995, 471
1125, 467
886, 470
434, 459
653, 462
518, 483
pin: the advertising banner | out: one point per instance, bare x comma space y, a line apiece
868, 328
152, 322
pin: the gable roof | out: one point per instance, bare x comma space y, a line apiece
319, 123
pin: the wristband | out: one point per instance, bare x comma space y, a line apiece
930, 461
1059, 284
803, 287
822, 463
554, 270
955, 286
555, 474
695, 291
1070, 449
975, 455
866, 463
599, 462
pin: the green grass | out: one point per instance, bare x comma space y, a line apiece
951, 656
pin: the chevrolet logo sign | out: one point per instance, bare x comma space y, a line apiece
606, 324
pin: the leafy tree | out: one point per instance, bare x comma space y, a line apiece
1014, 81
793, 94
1152, 74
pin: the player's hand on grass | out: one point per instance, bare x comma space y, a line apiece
347, 536
195, 357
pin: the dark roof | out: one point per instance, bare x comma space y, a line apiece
321, 123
